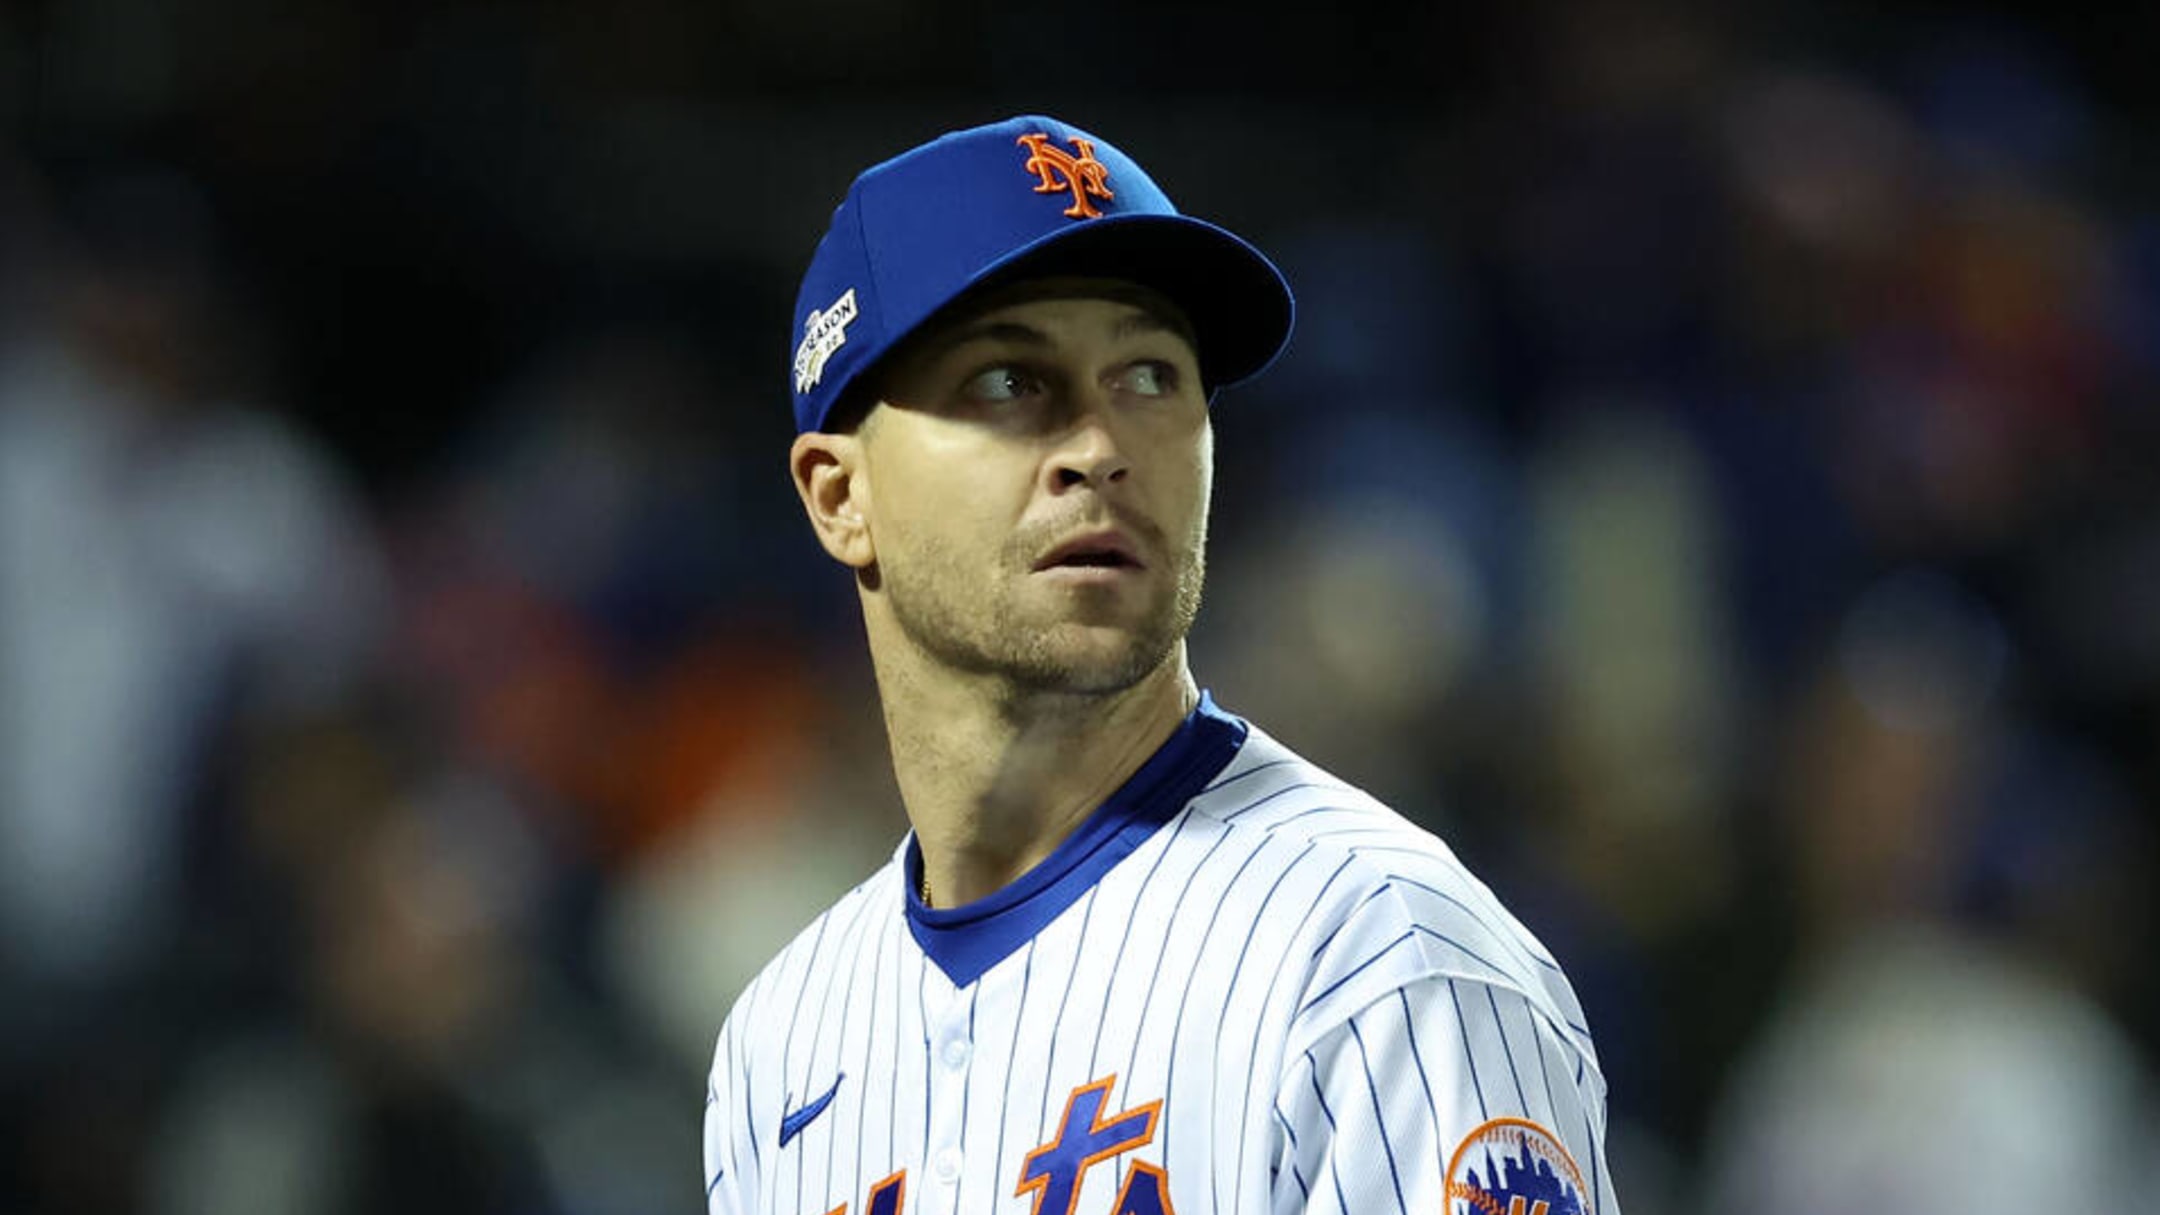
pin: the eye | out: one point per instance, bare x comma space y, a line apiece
999, 384
1149, 378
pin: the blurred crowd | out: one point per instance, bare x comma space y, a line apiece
1715, 484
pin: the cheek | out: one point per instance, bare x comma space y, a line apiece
1198, 481
943, 498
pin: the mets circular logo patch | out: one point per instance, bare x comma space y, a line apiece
1513, 1166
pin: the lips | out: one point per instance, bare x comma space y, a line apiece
1109, 549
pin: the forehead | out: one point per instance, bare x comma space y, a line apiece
977, 316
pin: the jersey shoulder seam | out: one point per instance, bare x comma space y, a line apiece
1303, 1041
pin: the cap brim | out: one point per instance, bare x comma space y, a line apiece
1238, 302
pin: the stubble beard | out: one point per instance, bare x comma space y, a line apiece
992, 633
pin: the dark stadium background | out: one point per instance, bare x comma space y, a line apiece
1713, 484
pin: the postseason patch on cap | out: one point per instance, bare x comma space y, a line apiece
1513, 1166
824, 331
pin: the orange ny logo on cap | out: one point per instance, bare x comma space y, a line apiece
1084, 175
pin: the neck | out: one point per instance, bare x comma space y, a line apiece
994, 778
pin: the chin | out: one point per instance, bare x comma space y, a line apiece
1091, 648
1089, 660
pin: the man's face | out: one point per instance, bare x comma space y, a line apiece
1037, 477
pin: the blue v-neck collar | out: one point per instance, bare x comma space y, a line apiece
967, 941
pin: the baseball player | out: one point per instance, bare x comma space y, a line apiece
1135, 957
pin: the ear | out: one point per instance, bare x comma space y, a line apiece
828, 474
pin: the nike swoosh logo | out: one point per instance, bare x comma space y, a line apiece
792, 1125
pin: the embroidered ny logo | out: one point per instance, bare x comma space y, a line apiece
1084, 175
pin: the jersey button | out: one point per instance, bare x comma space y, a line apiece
956, 1053
947, 1165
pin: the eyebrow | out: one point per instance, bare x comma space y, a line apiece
1144, 321
1138, 321
989, 331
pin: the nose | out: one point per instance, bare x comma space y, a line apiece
1088, 453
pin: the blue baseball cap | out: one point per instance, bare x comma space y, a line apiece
1024, 198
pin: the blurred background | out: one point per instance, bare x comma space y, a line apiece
1715, 483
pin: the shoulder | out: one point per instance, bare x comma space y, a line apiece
1386, 903
768, 1000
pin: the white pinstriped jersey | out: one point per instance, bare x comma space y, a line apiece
1241, 986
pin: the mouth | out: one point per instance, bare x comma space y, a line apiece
1106, 550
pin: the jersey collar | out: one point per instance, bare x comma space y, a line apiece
966, 941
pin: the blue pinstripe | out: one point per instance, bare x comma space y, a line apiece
1255, 770
1511, 938
967, 1081
787, 1053
862, 1098
1295, 1173
1424, 1082
1267, 997
1177, 1024
847, 1005
1460, 948
1027, 976
1079, 950
1349, 917
892, 1095
1237, 971
817, 1035
922, 1009
753, 999
1334, 1170
802, 990
1379, 1119
750, 1122
1507, 1052
1463, 1028
1251, 806
1489, 928
1110, 985
1357, 970
1313, 812
1537, 1039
